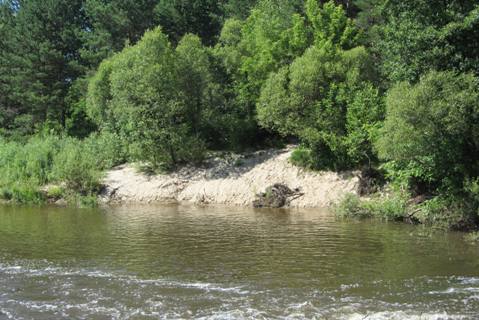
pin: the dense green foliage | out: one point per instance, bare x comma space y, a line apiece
49, 48
325, 99
364, 84
430, 140
74, 167
39, 61
416, 36
392, 208
325, 96
164, 101
431, 132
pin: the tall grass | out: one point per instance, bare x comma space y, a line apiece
392, 208
458, 212
74, 164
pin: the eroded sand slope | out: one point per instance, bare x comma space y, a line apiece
231, 180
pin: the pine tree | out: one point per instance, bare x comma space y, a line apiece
43, 54
115, 23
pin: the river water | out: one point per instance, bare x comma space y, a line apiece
184, 262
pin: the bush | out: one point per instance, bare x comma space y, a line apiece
25, 167
28, 163
77, 168
444, 212
457, 210
55, 192
448, 212
301, 157
164, 102
351, 206
391, 208
52, 160
472, 237
430, 133
108, 147
23, 193
324, 98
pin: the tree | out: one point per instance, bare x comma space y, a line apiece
430, 135
247, 51
43, 53
115, 23
414, 37
330, 24
276, 33
201, 17
8, 110
133, 93
326, 100
325, 97
238, 9
165, 101
263, 43
369, 13
203, 89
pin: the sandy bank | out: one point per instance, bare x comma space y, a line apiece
230, 180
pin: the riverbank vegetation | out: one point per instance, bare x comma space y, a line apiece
372, 85
53, 167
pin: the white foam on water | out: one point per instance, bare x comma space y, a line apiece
345, 287
50, 270
473, 298
401, 315
246, 313
204, 286
456, 290
385, 315
93, 308
5, 312
234, 301
468, 280
128, 279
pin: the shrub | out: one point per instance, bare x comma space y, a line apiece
164, 102
391, 208
324, 98
24, 167
42, 160
301, 157
76, 168
448, 212
55, 192
28, 164
444, 212
430, 133
24, 194
351, 206
108, 147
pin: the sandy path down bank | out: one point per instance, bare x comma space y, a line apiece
232, 181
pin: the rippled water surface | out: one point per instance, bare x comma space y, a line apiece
182, 262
